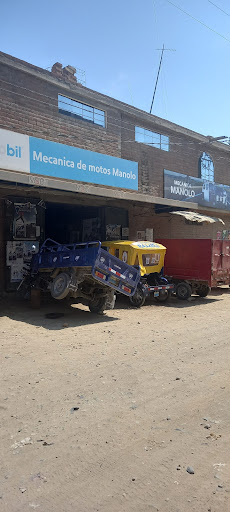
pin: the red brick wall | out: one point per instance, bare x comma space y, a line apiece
182, 157
30, 105
166, 225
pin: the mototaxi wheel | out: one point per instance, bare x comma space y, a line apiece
59, 288
163, 295
183, 290
98, 305
138, 299
203, 290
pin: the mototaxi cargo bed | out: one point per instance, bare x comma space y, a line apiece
88, 257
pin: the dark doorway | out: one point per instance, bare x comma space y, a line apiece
69, 223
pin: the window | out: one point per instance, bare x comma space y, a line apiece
153, 139
206, 167
80, 110
150, 260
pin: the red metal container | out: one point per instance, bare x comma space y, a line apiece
199, 262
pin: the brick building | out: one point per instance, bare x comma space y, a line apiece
76, 164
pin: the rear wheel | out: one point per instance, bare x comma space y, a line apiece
163, 295
98, 305
183, 291
60, 286
203, 290
138, 299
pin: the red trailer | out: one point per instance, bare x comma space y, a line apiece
196, 265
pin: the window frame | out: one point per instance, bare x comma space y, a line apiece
84, 107
211, 173
158, 145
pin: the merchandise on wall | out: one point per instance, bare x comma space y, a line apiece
91, 229
149, 234
223, 235
24, 230
125, 232
18, 254
140, 236
24, 224
113, 232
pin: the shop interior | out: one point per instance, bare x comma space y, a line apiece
74, 223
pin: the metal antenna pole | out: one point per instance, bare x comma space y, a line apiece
157, 78
162, 52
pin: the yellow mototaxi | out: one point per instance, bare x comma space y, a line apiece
149, 258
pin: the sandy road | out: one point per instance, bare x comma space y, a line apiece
106, 413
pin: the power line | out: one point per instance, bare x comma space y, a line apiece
219, 8
176, 145
55, 105
43, 117
198, 21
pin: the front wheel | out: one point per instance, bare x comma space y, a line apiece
98, 305
163, 295
59, 288
138, 299
183, 290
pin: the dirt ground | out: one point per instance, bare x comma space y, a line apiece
106, 413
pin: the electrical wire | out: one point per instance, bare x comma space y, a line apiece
219, 8
54, 104
42, 116
176, 149
196, 19
133, 141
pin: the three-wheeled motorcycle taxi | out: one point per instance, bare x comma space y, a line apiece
149, 258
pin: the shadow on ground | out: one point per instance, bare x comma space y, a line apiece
64, 314
215, 295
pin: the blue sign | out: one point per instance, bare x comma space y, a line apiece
196, 190
60, 161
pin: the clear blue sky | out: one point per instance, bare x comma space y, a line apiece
115, 43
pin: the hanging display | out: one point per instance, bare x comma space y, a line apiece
19, 254
24, 223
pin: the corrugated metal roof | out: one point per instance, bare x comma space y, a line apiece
197, 217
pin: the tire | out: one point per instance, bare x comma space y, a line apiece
164, 295
98, 305
183, 291
138, 299
60, 286
203, 291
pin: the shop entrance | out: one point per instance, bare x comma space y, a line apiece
67, 223
28, 221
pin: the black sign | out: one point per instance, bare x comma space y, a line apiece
187, 188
